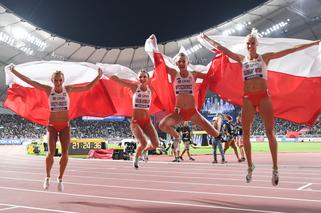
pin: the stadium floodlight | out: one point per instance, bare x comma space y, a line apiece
20, 39
18, 33
276, 27
193, 49
239, 27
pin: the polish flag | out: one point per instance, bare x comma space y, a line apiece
294, 81
122, 96
161, 81
32, 103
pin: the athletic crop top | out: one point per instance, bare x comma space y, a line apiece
184, 85
142, 99
254, 68
58, 101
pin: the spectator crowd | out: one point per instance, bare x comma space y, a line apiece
15, 127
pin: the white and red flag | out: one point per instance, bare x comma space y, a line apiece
122, 96
162, 83
294, 81
32, 103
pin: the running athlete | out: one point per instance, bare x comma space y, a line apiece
141, 124
58, 126
256, 94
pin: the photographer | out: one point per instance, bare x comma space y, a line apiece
186, 134
229, 136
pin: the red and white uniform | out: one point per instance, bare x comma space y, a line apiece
255, 68
142, 99
184, 86
58, 101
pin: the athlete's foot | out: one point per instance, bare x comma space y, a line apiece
135, 162
60, 185
176, 160
145, 156
275, 177
249, 173
46, 183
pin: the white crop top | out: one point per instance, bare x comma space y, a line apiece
142, 99
184, 85
58, 101
254, 68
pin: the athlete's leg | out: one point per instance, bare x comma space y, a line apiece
168, 123
199, 120
64, 137
248, 112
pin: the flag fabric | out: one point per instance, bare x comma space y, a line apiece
294, 81
122, 96
32, 103
162, 82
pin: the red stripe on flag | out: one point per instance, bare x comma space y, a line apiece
32, 104
294, 98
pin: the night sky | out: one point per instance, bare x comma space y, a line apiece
125, 23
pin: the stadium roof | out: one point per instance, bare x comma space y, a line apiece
21, 41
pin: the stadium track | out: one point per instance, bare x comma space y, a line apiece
160, 185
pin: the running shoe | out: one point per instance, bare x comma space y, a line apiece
135, 163
214, 161
249, 173
192, 159
275, 177
60, 185
46, 183
145, 156
176, 160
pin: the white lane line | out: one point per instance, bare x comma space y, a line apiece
305, 186
9, 208
95, 161
35, 208
151, 181
141, 200
143, 175
172, 191
218, 173
162, 182
149, 169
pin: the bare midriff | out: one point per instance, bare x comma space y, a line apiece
185, 101
140, 113
254, 85
62, 116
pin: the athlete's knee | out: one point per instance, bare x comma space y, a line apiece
64, 155
269, 133
50, 155
163, 126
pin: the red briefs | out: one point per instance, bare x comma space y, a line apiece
186, 114
59, 125
256, 97
142, 122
